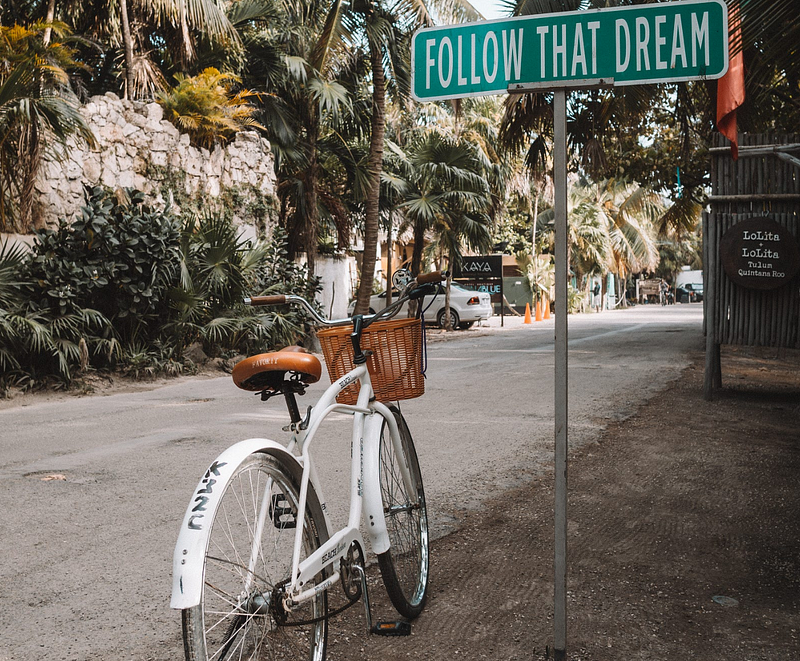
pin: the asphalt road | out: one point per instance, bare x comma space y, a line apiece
85, 562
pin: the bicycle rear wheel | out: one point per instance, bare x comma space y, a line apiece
241, 614
404, 567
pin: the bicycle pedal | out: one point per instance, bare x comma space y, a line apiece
398, 628
280, 510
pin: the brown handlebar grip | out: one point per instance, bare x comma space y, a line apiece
436, 276
278, 299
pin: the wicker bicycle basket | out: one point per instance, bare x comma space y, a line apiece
395, 365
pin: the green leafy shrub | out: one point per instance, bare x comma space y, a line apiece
277, 274
119, 257
35, 345
129, 288
218, 270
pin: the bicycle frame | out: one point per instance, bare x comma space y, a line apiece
365, 496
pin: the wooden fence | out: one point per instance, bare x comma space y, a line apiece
763, 183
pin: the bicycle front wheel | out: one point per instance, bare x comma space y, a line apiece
404, 567
248, 562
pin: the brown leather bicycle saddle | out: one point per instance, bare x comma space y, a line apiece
268, 370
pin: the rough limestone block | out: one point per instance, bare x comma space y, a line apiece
212, 186
92, 169
159, 159
125, 163
74, 170
125, 178
154, 112
169, 129
109, 178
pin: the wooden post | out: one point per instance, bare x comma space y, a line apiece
711, 292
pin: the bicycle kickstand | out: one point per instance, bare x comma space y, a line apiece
396, 628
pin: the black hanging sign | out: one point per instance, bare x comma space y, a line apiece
758, 253
482, 273
483, 267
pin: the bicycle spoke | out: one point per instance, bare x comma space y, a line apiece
235, 619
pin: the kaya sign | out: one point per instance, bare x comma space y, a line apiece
758, 253
650, 43
482, 273
478, 267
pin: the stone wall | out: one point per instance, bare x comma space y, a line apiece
138, 148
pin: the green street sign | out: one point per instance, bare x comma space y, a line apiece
652, 43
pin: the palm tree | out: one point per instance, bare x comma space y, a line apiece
611, 227
443, 193
36, 344
151, 35
383, 25
605, 127
39, 113
297, 59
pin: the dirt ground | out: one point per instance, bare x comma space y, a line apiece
684, 540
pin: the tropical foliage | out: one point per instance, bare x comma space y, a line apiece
657, 135
128, 287
206, 107
39, 113
327, 83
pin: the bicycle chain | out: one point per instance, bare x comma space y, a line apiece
281, 616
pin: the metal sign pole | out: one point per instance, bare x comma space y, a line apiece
561, 348
561, 399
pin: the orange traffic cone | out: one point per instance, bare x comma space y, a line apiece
546, 309
527, 313
538, 310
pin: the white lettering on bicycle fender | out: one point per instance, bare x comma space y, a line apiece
188, 560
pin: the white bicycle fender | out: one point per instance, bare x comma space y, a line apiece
373, 505
188, 565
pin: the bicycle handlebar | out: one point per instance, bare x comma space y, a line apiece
278, 299
386, 313
435, 276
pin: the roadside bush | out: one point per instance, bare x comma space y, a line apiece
129, 288
119, 257
218, 270
206, 107
275, 273
37, 346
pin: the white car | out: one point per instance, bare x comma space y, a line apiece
466, 307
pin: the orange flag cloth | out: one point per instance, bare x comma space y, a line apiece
730, 88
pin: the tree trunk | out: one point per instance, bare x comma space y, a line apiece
30, 158
312, 206
372, 213
51, 12
533, 252
419, 244
127, 42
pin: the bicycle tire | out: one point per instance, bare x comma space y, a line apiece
237, 617
405, 566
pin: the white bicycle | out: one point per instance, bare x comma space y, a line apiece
256, 562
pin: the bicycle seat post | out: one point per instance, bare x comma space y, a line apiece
291, 404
